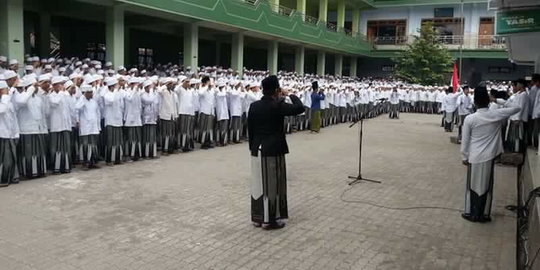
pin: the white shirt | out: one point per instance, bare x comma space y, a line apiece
9, 128
30, 112
207, 100
114, 108
167, 107
89, 116
236, 100
450, 101
481, 136
536, 106
60, 112
520, 100
150, 103
132, 108
185, 101
533, 93
464, 104
394, 98
222, 109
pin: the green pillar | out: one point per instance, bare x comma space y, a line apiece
114, 30
321, 62
356, 20
237, 54
338, 65
272, 60
44, 34
323, 10
341, 13
12, 30
191, 46
299, 60
354, 67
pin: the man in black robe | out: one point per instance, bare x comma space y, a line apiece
268, 147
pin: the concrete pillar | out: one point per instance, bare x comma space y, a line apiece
354, 66
272, 60
114, 35
338, 65
356, 21
321, 63
299, 60
537, 65
44, 34
191, 46
341, 13
301, 7
323, 10
237, 53
274, 5
12, 30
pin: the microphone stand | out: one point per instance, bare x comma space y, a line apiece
357, 179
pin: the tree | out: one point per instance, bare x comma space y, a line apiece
424, 61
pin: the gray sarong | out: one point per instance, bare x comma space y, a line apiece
8, 162
60, 151
149, 141
32, 155
268, 189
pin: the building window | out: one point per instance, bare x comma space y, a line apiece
145, 57
390, 32
503, 70
443, 12
449, 30
388, 68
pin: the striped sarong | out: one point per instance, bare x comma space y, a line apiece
268, 189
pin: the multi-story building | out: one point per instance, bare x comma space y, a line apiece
348, 37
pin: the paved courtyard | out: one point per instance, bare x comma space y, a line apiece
191, 211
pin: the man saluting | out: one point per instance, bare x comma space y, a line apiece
268, 147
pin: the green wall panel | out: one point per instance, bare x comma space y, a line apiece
260, 19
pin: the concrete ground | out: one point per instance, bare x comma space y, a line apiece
191, 211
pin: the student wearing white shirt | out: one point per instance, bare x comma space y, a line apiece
89, 127
236, 100
465, 106
113, 104
9, 132
394, 104
207, 99
515, 134
222, 114
167, 116
450, 107
535, 110
60, 127
186, 114
71, 89
481, 144
133, 120
150, 103
32, 146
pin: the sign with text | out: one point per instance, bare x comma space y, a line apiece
518, 21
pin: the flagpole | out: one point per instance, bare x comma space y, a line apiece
462, 22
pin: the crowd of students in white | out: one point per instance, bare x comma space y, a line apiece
60, 112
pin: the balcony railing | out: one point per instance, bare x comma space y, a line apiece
470, 42
285, 11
